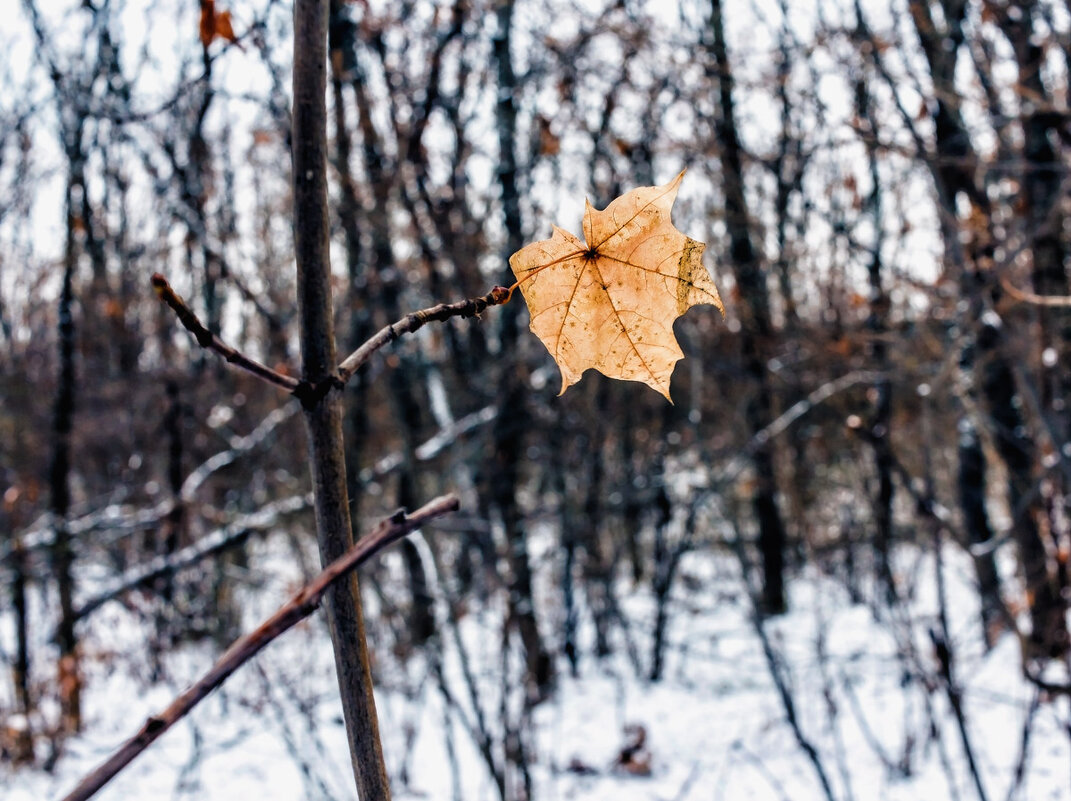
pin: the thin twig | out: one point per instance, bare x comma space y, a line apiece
308, 393
447, 435
473, 307
238, 446
206, 339
124, 518
235, 532
1051, 301
1024, 746
779, 425
778, 671
303, 604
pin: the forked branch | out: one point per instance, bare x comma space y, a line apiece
303, 604
308, 393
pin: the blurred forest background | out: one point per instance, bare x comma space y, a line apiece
883, 187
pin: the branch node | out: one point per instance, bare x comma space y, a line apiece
154, 725
311, 394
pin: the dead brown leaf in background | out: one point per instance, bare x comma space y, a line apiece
216, 23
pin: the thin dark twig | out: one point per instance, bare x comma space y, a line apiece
1051, 301
206, 339
778, 671
229, 536
1024, 746
308, 393
472, 307
303, 604
942, 638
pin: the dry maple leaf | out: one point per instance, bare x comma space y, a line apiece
611, 303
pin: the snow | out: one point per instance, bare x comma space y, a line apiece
716, 726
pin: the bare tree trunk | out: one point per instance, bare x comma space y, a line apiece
876, 324
597, 567
323, 416
69, 679
23, 745
1045, 218
513, 414
952, 176
632, 508
757, 328
992, 371
558, 442
972, 485
665, 559
1048, 633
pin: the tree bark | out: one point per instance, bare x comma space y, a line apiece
323, 415
876, 324
513, 414
1044, 223
23, 744
757, 328
987, 359
69, 678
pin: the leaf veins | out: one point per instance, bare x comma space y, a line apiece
610, 303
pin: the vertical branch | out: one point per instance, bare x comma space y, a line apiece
173, 535
597, 567
59, 485
881, 407
757, 329
1044, 191
323, 416
21, 664
513, 414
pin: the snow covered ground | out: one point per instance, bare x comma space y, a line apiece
865, 692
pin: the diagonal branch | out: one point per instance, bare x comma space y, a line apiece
473, 307
303, 604
206, 339
119, 518
1051, 301
215, 542
244, 525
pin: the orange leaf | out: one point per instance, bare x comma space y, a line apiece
224, 28
208, 22
549, 143
610, 303
216, 23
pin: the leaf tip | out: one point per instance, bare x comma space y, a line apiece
676, 182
